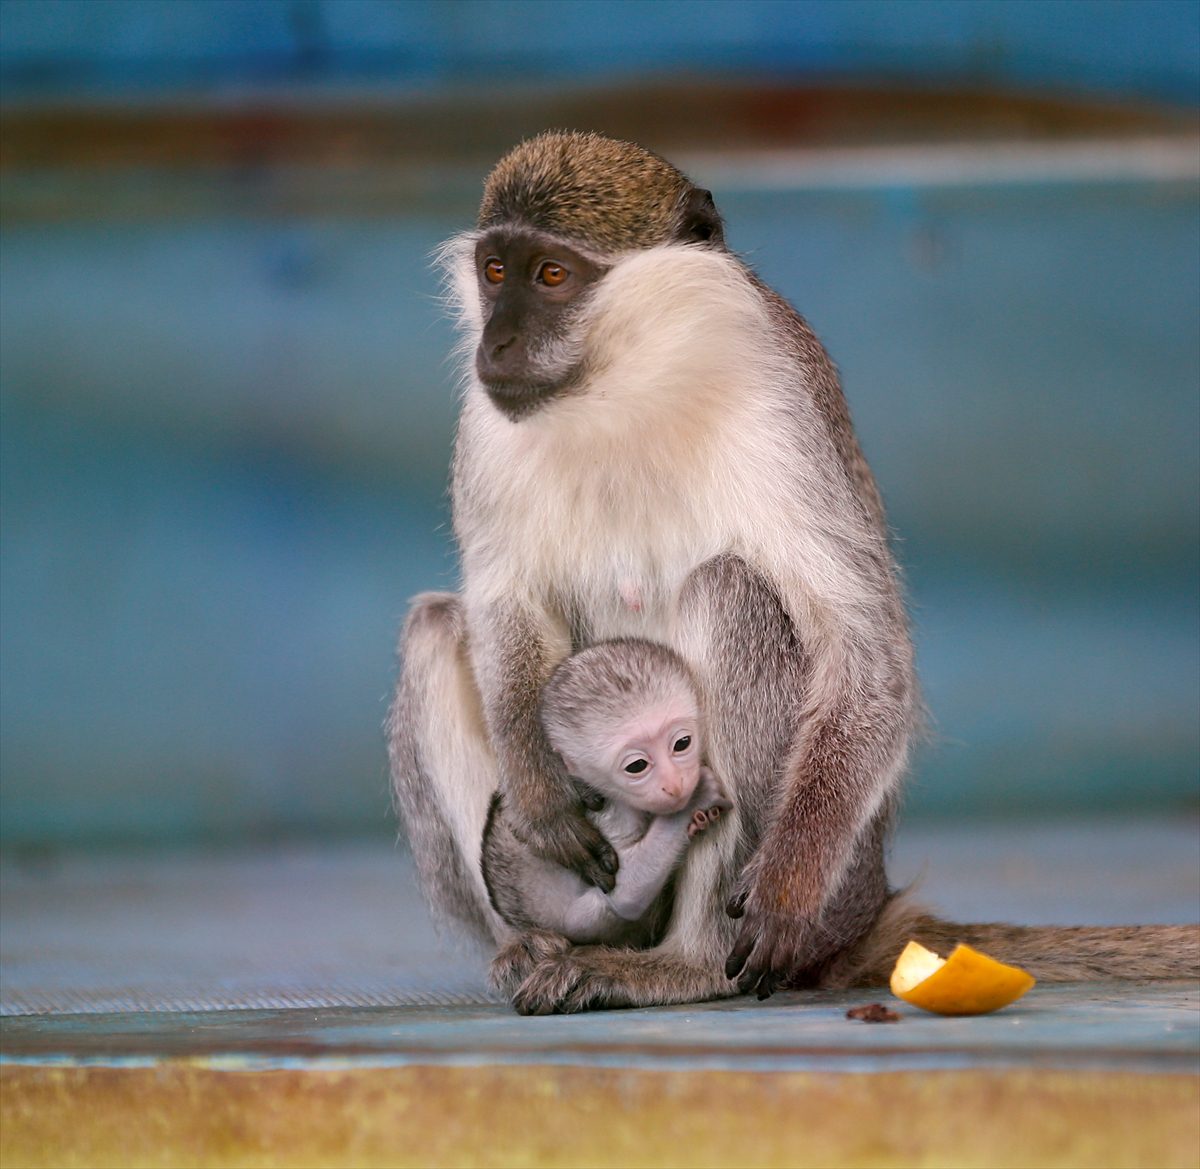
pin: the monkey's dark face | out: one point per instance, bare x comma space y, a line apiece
531, 286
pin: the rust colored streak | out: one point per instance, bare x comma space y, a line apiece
730, 115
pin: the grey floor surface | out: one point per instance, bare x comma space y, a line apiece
344, 925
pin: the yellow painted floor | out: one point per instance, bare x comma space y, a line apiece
190, 1114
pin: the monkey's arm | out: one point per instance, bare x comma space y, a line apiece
528, 891
513, 652
646, 866
849, 753
649, 862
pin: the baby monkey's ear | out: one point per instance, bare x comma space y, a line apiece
592, 799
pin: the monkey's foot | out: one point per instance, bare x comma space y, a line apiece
770, 948
701, 819
590, 978
513, 964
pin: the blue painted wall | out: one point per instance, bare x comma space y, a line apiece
223, 440
1122, 46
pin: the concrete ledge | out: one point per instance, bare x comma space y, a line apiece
189, 1114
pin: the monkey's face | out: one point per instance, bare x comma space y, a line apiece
656, 761
532, 287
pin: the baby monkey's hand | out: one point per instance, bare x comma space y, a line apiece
708, 802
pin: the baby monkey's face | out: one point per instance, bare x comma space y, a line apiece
655, 759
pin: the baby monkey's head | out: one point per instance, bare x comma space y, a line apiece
625, 718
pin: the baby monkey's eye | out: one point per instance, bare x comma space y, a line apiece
636, 767
683, 743
552, 274
493, 271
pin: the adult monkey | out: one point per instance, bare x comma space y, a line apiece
654, 444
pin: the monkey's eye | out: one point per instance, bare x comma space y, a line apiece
682, 744
493, 271
552, 274
637, 766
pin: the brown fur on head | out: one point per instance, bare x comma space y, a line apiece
603, 193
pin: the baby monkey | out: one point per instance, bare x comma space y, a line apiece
624, 717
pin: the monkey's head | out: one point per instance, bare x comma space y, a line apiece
557, 213
625, 718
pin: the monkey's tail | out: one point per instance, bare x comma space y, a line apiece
1050, 953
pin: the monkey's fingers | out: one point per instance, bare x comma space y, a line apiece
596, 859
574, 842
736, 905
591, 799
599, 873
704, 818
608, 857
739, 956
756, 960
767, 985
756, 975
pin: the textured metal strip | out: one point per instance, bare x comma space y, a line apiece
73, 1001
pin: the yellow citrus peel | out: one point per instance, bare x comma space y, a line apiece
966, 983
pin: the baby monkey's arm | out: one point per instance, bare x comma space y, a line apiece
649, 862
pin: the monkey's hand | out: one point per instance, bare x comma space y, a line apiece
702, 818
592, 799
707, 803
773, 941
562, 833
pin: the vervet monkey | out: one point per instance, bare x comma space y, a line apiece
654, 444
624, 718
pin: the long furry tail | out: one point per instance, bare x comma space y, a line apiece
1050, 953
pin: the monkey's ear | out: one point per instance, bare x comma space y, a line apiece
701, 221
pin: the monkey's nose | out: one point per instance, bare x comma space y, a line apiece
500, 356
498, 347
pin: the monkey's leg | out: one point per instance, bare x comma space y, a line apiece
687, 966
810, 862
443, 772
739, 642
852, 913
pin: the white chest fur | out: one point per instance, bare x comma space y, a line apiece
676, 450
614, 532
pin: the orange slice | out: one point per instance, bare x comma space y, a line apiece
966, 983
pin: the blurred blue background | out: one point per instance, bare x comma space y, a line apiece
227, 408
